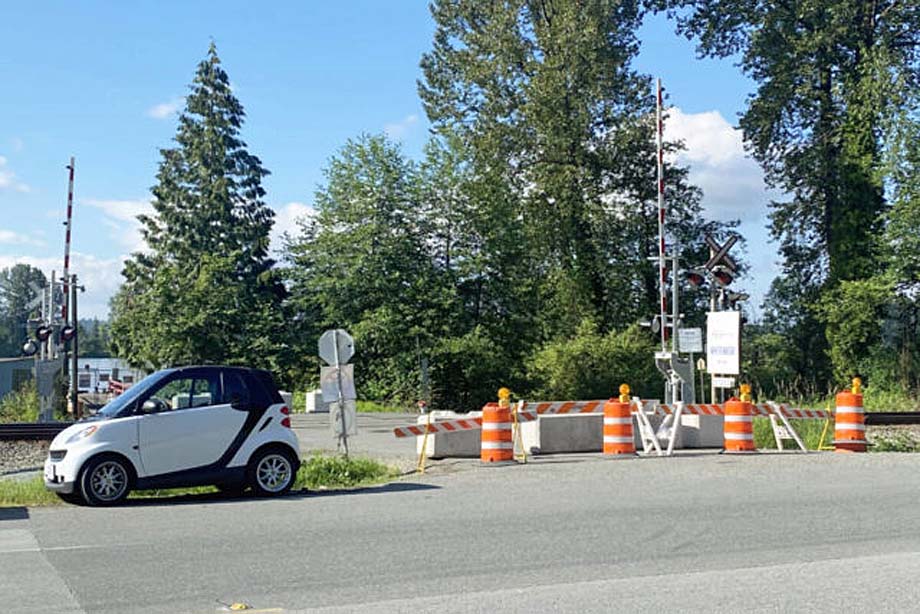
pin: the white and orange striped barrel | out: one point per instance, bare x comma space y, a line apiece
618, 428
496, 444
850, 422
738, 429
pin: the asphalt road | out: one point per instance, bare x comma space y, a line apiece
704, 533
375, 436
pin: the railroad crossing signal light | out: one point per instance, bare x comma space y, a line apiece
68, 333
696, 279
43, 332
722, 275
29, 348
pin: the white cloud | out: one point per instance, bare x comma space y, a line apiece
100, 276
121, 218
399, 130
8, 179
164, 110
732, 182
8, 237
286, 222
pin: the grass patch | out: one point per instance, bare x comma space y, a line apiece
16, 492
874, 399
321, 471
382, 408
808, 430
299, 405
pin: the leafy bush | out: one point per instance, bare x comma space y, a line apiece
592, 365
467, 371
20, 405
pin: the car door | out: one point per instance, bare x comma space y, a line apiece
194, 426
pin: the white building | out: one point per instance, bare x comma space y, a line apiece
94, 374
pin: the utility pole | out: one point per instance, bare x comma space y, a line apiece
69, 224
75, 380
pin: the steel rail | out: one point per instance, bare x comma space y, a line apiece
32, 431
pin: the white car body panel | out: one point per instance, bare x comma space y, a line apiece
186, 438
118, 435
273, 433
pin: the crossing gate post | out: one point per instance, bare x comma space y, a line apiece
618, 428
496, 438
738, 430
850, 420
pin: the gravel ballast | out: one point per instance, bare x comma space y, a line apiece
22, 455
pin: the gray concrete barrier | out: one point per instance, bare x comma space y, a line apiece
565, 433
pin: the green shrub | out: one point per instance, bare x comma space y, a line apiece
339, 472
20, 405
467, 371
592, 365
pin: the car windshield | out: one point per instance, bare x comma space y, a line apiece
116, 405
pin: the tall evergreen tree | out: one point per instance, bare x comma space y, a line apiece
204, 290
545, 95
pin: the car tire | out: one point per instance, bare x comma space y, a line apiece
271, 472
105, 480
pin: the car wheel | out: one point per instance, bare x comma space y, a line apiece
72, 498
105, 480
271, 472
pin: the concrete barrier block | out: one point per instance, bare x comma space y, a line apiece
556, 434
457, 444
315, 403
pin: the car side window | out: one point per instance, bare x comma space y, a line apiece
235, 389
186, 392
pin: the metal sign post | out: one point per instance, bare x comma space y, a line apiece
336, 347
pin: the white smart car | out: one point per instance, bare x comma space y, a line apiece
189, 426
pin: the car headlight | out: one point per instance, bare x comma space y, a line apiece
87, 432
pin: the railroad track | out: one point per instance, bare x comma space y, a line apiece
34, 431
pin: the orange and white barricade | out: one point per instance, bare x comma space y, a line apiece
497, 437
618, 425
739, 423
850, 420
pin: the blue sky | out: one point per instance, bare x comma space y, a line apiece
101, 81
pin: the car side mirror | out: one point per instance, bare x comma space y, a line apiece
150, 407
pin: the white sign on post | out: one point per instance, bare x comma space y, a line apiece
328, 343
723, 382
690, 340
337, 381
344, 423
723, 342
331, 377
